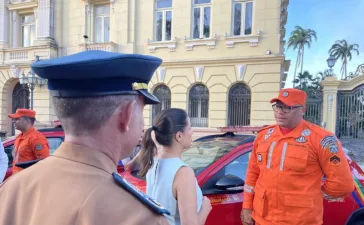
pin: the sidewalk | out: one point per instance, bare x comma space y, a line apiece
356, 150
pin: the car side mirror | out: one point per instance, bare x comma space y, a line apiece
230, 184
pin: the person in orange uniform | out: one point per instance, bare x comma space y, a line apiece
284, 178
30, 144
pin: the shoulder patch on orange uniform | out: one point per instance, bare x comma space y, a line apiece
330, 143
335, 160
328, 140
321, 132
267, 128
266, 132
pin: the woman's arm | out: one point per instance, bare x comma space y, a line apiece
129, 166
184, 190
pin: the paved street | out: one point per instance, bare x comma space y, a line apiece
355, 150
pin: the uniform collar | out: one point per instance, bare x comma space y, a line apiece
85, 155
296, 132
25, 134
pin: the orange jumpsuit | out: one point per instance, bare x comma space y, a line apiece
284, 178
28, 146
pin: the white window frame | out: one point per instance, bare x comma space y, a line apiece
27, 24
242, 19
164, 21
202, 16
103, 16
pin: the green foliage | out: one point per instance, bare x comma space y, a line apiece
341, 49
298, 40
306, 82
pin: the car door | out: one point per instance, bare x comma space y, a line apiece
53, 142
226, 204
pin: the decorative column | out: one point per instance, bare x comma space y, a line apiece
330, 87
88, 22
15, 30
45, 22
4, 25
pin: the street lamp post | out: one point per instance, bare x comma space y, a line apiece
331, 63
86, 38
31, 81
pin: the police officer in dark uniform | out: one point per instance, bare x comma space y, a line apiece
99, 98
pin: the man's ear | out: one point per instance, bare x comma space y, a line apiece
304, 108
125, 115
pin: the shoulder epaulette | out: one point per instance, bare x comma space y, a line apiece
266, 127
27, 164
319, 130
142, 197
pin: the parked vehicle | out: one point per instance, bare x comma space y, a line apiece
55, 137
220, 163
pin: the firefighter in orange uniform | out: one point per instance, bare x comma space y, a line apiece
30, 144
284, 178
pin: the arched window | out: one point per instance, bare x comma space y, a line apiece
163, 93
20, 99
239, 105
199, 105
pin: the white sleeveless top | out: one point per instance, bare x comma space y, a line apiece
160, 179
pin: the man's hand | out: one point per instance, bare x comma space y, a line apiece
246, 217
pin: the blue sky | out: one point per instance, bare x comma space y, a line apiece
332, 20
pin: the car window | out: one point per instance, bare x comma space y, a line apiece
204, 153
9, 152
54, 143
239, 166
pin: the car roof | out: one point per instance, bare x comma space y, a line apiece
45, 131
228, 137
52, 129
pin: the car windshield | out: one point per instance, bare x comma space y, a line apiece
205, 152
8, 137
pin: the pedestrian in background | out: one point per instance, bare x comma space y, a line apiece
30, 144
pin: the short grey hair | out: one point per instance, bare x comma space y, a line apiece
82, 116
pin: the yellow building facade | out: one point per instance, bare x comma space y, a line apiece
223, 60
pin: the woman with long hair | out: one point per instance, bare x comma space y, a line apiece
170, 181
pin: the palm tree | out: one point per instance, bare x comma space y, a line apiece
341, 49
299, 39
304, 80
316, 82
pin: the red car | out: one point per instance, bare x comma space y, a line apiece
55, 137
220, 163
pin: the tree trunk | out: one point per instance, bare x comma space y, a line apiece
295, 69
345, 66
303, 53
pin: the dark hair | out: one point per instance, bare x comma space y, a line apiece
30, 119
167, 123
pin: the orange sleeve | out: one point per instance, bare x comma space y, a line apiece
251, 178
40, 147
339, 181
